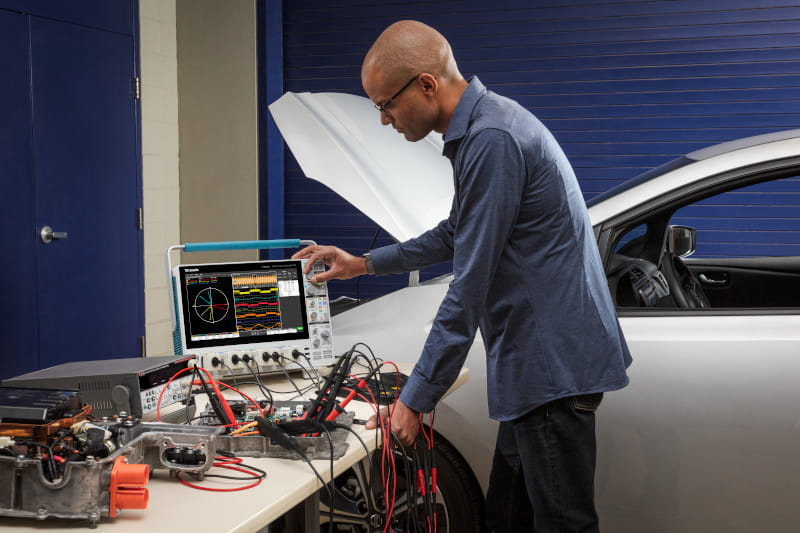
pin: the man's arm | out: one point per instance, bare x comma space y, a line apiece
341, 265
432, 247
490, 189
492, 179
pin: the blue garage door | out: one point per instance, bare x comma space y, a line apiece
625, 86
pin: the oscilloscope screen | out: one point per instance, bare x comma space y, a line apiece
242, 303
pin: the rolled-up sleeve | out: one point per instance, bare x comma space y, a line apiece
490, 179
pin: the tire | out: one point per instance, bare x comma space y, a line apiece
358, 506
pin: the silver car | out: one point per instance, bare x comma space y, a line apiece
705, 437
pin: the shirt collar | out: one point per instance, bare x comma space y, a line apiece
459, 122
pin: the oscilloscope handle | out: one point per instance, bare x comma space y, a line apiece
242, 245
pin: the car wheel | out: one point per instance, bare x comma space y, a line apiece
359, 506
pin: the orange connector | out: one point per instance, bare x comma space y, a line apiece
128, 488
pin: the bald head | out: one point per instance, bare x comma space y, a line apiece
411, 75
407, 48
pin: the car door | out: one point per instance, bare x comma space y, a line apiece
705, 437
749, 281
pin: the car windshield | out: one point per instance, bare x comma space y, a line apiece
641, 178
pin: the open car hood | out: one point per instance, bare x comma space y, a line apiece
338, 140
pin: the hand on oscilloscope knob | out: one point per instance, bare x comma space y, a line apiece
341, 265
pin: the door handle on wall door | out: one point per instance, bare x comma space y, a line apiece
48, 235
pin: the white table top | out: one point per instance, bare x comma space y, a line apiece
175, 507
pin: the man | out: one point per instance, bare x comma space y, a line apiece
526, 271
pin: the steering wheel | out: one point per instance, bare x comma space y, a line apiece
685, 288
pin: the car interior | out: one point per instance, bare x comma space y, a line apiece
663, 257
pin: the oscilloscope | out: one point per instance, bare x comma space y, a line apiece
238, 318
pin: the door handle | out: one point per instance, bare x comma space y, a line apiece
48, 235
704, 279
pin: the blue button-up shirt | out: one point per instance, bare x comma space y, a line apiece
526, 269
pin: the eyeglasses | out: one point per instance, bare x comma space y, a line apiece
382, 107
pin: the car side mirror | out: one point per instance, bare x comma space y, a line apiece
682, 240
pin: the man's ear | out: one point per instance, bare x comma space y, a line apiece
430, 85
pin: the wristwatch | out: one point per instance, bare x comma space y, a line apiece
370, 266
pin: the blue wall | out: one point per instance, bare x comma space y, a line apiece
624, 86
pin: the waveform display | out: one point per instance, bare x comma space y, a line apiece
256, 301
256, 279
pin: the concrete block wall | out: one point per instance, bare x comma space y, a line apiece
160, 176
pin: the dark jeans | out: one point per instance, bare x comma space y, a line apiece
542, 476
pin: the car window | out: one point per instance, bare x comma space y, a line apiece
761, 220
746, 254
747, 246
628, 237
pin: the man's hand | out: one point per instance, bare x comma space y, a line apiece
405, 422
341, 265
